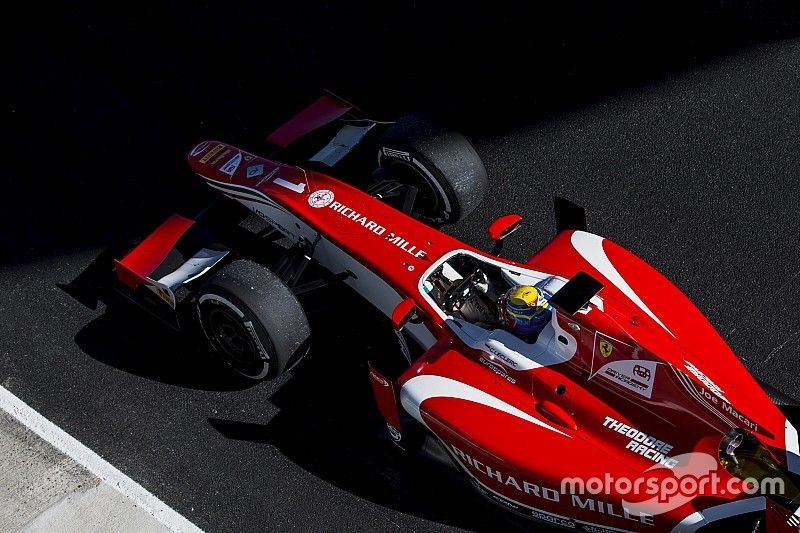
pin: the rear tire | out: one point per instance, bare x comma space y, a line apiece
253, 320
441, 162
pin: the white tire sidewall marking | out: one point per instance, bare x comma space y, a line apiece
248, 326
223, 301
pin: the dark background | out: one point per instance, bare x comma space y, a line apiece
676, 125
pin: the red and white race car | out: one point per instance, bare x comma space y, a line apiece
627, 383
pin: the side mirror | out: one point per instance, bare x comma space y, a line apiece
502, 228
405, 312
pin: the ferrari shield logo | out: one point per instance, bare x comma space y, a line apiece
606, 348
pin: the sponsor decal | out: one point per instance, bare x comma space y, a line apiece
273, 222
728, 409
397, 154
529, 489
607, 508
599, 529
498, 476
220, 157
553, 519
496, 497
267, 177
197, 150
378, 378
705, 380
395, 239
321, 198
394, 433
497, 369
634, 375
606, 348
211, 153
260, 347
506, 360
233, 163
248, 157
642, 372
356, 217
254, 171
163, 293
404, 245
643, 444
717, 404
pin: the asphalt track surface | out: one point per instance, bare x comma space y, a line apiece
678, 129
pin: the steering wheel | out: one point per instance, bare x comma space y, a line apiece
456, 294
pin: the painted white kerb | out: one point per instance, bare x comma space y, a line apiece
98, 466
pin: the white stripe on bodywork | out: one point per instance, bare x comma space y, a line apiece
702, 518
590, 247
792, 449
248, 193
688, 384
420, 388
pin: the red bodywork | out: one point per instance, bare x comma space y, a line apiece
643, 357
322, 111
136, 267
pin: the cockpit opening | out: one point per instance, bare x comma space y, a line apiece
472, 289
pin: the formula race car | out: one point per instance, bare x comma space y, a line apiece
627, 380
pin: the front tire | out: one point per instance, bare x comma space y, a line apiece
441, 162
253, 320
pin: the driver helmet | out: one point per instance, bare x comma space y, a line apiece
525, 310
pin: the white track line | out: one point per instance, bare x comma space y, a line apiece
98, 466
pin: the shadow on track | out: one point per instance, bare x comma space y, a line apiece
328, 424
132, 342
327, 421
